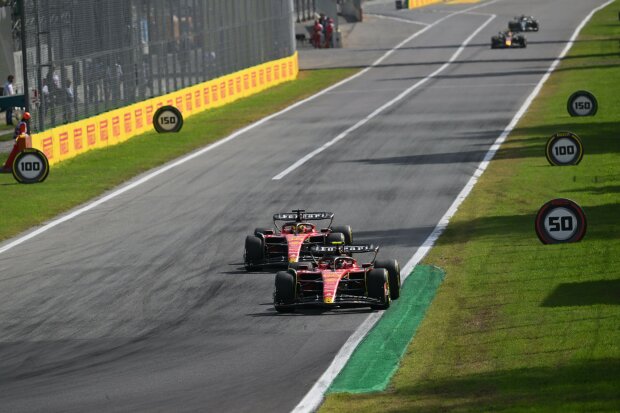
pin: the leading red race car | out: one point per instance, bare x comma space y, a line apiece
292, 241
335, 279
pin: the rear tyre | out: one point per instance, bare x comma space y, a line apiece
254, 254
335, 238
284, 292
347, 231
393, 270
378, 287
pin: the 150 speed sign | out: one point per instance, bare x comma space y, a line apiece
168, 119
559, 221
582, 103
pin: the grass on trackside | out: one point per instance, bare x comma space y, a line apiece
519, 326
6, 131
77, 180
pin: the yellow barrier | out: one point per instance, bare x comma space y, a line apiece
116, 126
414, 4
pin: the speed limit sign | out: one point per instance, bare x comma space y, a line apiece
582, 103
560, 220
564, 148
30, 166
168, 119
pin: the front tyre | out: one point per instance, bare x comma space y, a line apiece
261, 231
254, 254
284, 292
378, 288
393, 270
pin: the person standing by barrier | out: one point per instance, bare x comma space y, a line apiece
23, 127
317, 34
329, 33
22, 141
68, 103
9, 91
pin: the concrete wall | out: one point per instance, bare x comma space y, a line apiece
352, 10
327, 7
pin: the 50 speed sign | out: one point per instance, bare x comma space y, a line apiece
168, 119
559, 221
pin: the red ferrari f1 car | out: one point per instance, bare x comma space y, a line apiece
335, 279
291, 242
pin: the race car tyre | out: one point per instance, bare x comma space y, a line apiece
376, 281
335, 238
254, 252
284, 292
393, 269
524, 43
347, 231
258, 231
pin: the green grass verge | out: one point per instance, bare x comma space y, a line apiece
77, 180
517, 325
7, 129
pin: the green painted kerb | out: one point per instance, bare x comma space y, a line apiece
376, 359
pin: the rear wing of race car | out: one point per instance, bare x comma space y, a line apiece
343, 249
300, 215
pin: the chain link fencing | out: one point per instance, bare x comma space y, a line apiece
86, 57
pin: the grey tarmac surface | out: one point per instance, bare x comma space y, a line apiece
142, 304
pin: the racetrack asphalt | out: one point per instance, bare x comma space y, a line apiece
142, 303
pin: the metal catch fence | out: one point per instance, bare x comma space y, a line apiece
85, 57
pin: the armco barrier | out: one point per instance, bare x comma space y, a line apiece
117, 126
414, 4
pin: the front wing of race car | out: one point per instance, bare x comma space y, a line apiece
351, 292
277, 249
516, 43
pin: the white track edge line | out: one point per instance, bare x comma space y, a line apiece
385, 106
398, 19
20, 240
314, 397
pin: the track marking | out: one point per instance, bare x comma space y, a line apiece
398, 19
314, 397
388, 104
206, 149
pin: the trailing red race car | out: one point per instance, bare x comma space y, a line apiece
292, 241
335, 279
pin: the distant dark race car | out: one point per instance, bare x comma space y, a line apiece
291, 242
333, 278
523, 24
508, 40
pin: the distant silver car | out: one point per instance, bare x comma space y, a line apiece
523, 24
